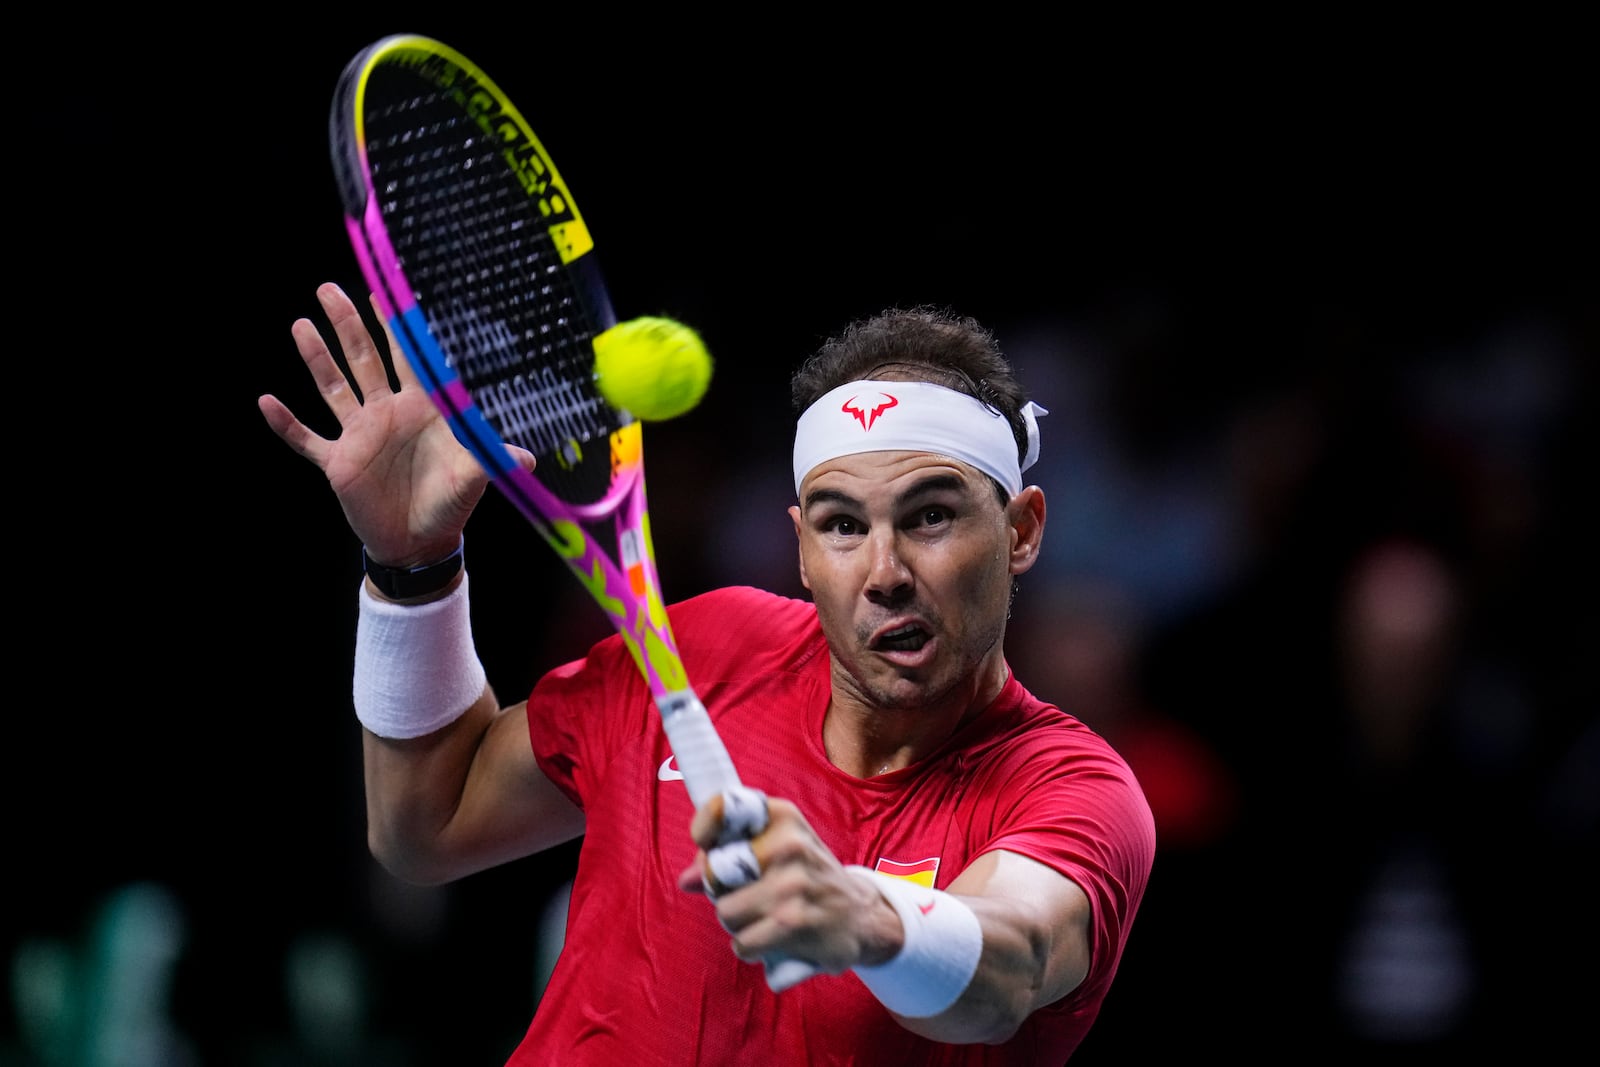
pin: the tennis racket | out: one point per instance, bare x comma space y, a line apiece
484, 270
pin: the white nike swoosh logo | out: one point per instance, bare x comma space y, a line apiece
669, 773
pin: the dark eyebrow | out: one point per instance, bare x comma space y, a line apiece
933, 483
831, 496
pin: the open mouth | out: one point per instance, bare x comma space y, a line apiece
904, 639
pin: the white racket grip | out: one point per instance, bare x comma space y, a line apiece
782, 973
704, 761
708, 770
744, 814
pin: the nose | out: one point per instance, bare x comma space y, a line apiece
888, 577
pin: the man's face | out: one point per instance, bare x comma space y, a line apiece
909, 558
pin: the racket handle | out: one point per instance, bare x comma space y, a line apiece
734, 863
707, 771
783, 973
707, 768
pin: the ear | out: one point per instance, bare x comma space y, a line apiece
794, 517
1025, 515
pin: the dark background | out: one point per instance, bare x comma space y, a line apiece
1393, 228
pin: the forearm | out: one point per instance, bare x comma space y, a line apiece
1009, 984
451, 783
464, 799
1030, 949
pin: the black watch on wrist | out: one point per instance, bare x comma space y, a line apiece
404, 583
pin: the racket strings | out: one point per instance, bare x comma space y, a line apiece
499, 300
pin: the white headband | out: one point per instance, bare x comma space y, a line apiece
874, 416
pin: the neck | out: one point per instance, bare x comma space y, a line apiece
866, 739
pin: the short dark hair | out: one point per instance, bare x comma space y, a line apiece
923, 344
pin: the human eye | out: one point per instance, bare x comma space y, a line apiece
931, 518
841, 526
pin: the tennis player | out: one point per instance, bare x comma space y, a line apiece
958, 861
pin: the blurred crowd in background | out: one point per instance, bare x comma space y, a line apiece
1319, 558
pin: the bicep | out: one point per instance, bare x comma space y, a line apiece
510, 808
464, 798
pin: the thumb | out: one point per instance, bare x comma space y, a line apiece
522, 457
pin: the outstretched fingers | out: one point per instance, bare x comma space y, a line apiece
338, 390
361, 355
403, 369
331, 382
292, 431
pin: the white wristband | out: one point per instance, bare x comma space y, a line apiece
942, 944
416, 669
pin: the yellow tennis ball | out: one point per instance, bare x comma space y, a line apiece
654, 368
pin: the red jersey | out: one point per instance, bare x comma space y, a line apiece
646, 975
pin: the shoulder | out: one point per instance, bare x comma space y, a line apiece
742, 640
1061, 794
1040, 724
743, 620
1034, 750
741, 624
